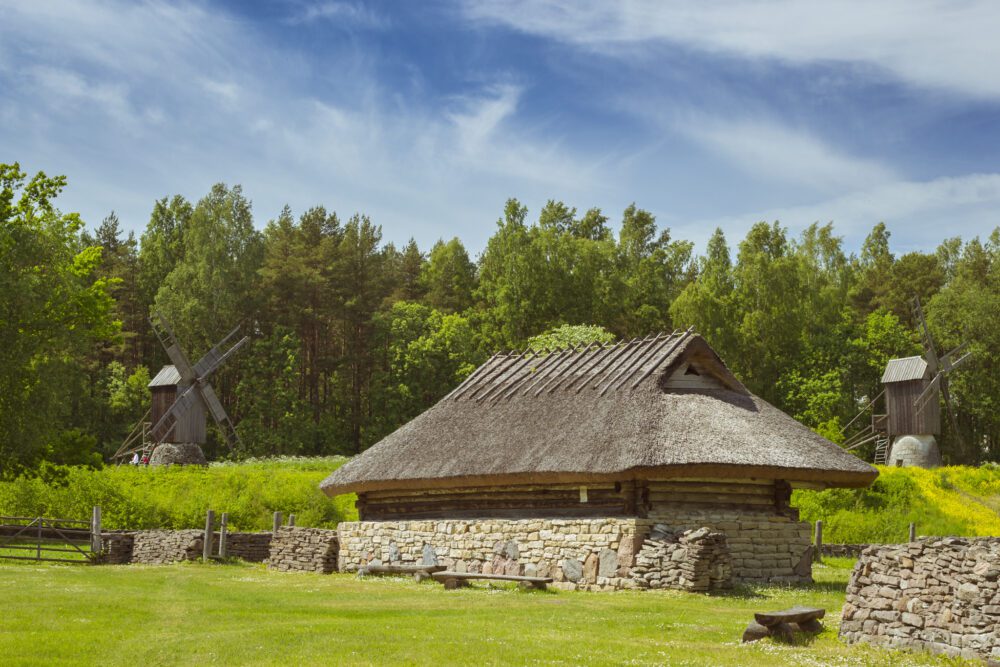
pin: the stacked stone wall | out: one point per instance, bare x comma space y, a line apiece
585, 554
117, 548
304, 549
764, 547
251, 547
695, 560
940, 595
156, 547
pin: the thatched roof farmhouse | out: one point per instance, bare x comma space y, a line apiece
656, 429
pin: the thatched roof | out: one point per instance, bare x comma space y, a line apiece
599, 414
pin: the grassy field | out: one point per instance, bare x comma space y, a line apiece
955, 500
242, 614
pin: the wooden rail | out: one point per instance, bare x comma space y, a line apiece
39, 537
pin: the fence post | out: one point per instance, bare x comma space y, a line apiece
223, 532
291, 519
819, 541
95, 530
209, 534
277, 523
913, 532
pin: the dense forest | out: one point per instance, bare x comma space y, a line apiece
353, 336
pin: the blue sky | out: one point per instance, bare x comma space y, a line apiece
429, 115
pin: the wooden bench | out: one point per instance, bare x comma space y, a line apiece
419, 572
783, 624
453, 580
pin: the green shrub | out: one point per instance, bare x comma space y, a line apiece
138, 497
945, 501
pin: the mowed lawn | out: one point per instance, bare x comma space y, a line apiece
242, 614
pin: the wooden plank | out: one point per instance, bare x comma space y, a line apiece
400, 569
721, 498
496, 577
34, 547
793, 615
402, 493
47, 560
752, 489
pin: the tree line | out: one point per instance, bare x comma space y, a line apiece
353, 336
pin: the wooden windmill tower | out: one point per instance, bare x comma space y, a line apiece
913, 386
174, 429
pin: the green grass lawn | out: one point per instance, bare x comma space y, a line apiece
242, 614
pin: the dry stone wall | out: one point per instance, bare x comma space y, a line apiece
304, 549
939, 595
764, 546
156, 547
695, 560
251, 547
584, 554
116, 548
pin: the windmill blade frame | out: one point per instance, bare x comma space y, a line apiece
215, 357
214, 405
929, 392
951, 412
930, 354
173, 349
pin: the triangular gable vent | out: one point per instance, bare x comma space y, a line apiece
692, 376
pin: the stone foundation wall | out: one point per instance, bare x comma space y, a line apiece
586, 554
940, 595
251, 547
764, 547
304, 549
156, 547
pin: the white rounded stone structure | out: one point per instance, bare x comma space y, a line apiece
919, 451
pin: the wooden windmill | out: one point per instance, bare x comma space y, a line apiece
182, 397
905, 434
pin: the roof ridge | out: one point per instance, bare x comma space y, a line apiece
600, 367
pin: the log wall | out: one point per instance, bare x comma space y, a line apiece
635, 498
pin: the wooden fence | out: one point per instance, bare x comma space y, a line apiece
46, 539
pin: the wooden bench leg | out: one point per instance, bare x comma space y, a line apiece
452, 584
531, 585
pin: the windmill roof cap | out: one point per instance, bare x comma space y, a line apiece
904, 370
167, 377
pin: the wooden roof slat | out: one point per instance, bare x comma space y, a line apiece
595, 372
506, 362
630, 369
591, 364
552, 368
566, 371
526, 357
474, 374
663, 357
622, 358
550, 361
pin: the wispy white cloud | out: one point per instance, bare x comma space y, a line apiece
945, 45
232, 114
351, 14
769, 151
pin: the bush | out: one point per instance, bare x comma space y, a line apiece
140, 497
946, 501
